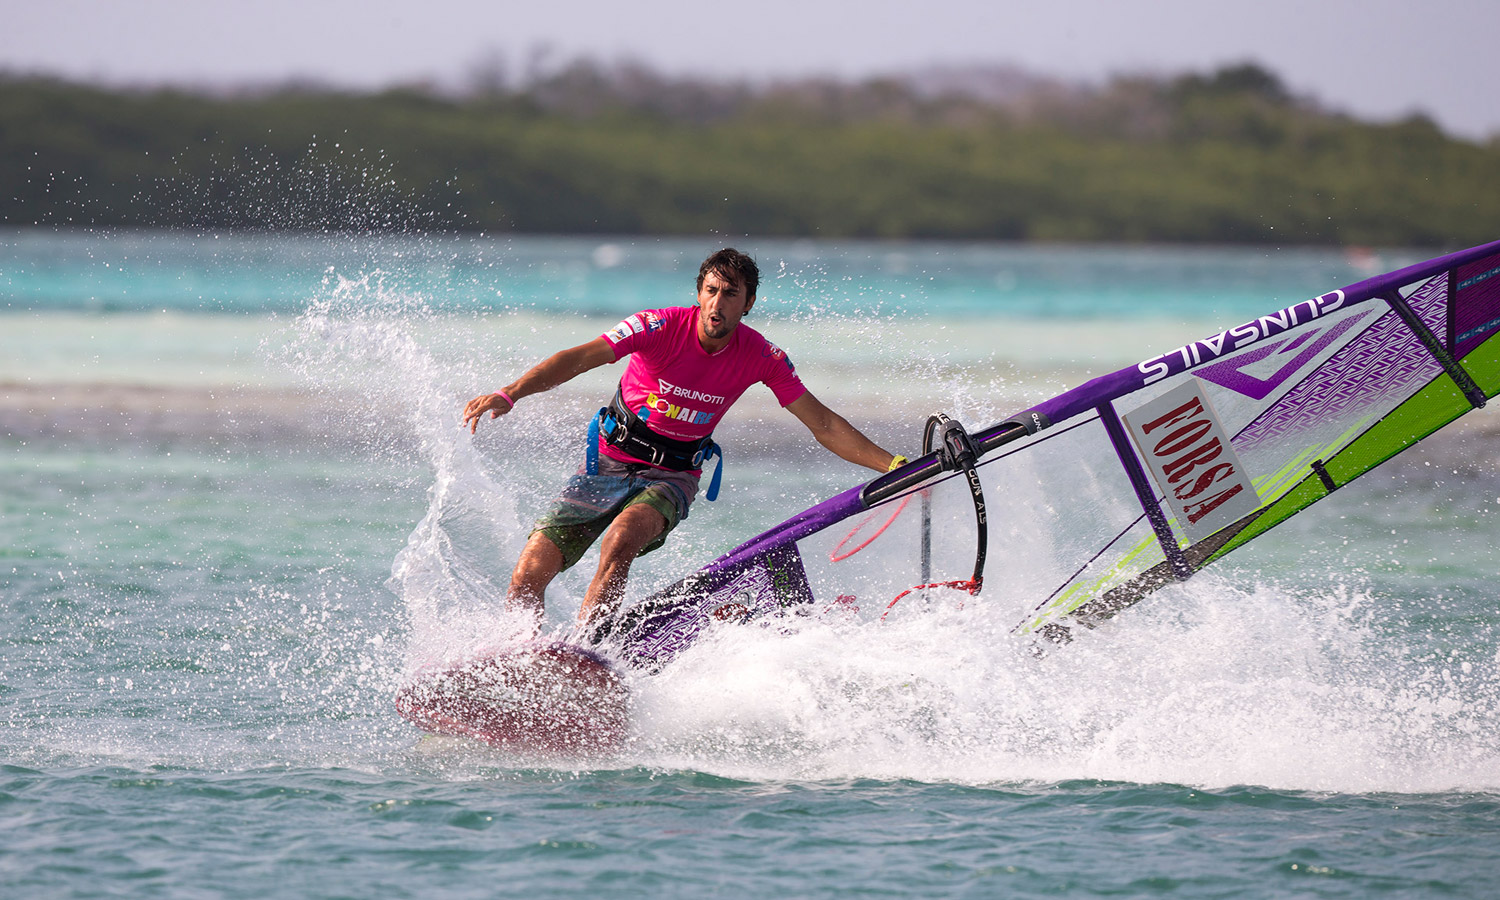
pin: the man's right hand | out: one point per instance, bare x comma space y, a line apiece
564, 365
494, 404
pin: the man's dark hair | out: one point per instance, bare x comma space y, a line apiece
732, 265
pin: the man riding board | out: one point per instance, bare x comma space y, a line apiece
687, 366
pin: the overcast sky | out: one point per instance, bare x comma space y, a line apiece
1376, 58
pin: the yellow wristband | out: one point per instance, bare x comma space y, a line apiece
897, 463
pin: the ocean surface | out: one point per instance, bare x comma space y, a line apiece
222, 458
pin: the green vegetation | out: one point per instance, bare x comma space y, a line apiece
1227, 157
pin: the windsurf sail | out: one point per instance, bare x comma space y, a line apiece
1139, 478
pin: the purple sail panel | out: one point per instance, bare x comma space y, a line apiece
1476, 304
1384, 364
1430, 302
1289, 354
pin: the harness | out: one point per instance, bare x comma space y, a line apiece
627, 431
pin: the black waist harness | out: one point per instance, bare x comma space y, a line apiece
625, 430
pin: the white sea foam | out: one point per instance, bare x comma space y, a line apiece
1206, 684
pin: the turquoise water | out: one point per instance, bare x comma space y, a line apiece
223, 459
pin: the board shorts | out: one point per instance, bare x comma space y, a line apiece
589, 503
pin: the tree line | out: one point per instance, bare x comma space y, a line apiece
1225, 157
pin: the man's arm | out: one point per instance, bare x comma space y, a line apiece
556, 369
834, 432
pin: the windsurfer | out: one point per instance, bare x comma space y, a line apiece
687, 366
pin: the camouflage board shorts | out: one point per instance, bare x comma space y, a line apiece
589, 503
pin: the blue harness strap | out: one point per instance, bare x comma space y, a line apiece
591, 449
604, 423
713, 485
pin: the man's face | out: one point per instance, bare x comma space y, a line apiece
721, 304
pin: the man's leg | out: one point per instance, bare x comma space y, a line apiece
627, 536
539, 563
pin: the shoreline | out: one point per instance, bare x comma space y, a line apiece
136, 415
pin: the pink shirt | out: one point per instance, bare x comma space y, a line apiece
687, 389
